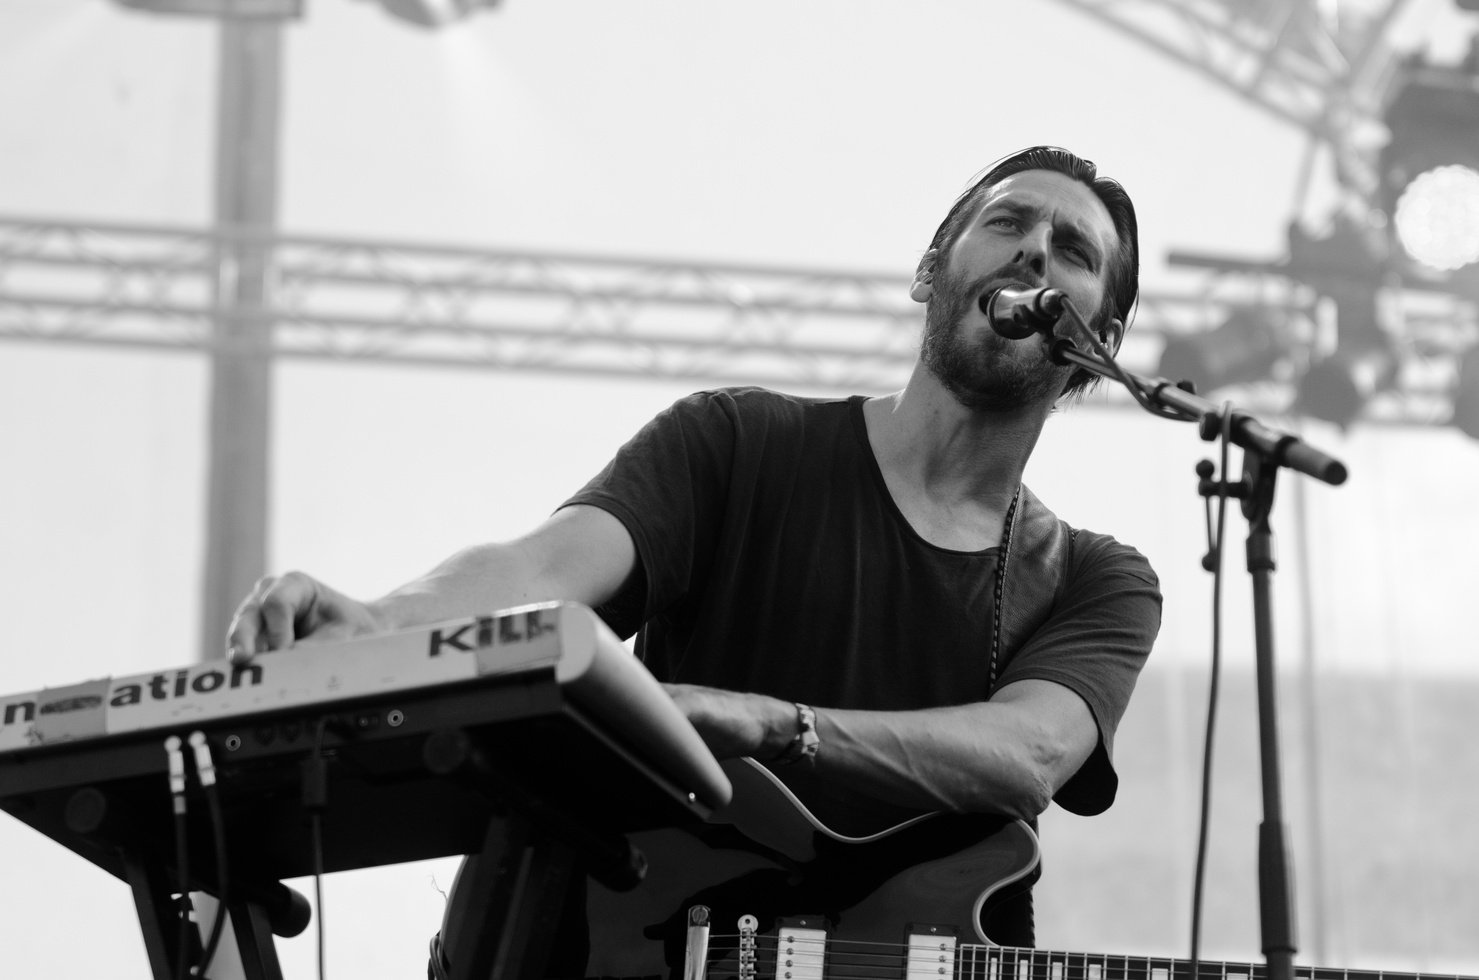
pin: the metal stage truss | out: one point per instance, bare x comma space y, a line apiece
347, 300
1321, 68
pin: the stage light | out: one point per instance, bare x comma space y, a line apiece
1247, 347
1430, 169
1438, 217
434, 13
1348, 268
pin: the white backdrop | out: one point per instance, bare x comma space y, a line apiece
834, 134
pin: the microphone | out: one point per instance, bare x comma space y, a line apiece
1018, 312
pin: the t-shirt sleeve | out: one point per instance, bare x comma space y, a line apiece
667, 485
1094, 643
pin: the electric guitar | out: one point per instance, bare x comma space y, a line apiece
768, 889
769, 856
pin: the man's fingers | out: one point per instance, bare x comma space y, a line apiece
290, 609
267, 619
282, 604
244, 637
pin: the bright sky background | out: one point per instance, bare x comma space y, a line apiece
833, 133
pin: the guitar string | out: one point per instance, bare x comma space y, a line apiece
1008, 959
859, 946
978, 968
1000, 961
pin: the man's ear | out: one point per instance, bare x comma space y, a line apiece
923, 286
1112, 334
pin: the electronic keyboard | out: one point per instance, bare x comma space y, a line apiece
545, 696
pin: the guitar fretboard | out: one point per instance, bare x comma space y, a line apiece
853, 960
995, 963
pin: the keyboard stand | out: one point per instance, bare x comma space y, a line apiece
254, 944
516, 890
160, 925
506, 905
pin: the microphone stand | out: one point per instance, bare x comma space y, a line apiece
1265, 451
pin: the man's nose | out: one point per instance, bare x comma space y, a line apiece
1032, 248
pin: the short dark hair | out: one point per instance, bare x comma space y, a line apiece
1123, 286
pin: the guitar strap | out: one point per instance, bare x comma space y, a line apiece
1031, 566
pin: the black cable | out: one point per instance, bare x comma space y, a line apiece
316, 824
1213, 694
218, 831
182, 864
1119, 373
176, 759
315, 797
206, 770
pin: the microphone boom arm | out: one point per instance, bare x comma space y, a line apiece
1161, 397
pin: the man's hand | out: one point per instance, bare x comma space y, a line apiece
733, 724
282, 610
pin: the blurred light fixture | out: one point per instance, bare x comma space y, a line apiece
1430, 167
1437, 217
1349, 266
1466, 394
435, 13
1247, 347
228, 9
1338, 387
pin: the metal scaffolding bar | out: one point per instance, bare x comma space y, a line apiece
453, 306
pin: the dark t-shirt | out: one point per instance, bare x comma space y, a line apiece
774, 560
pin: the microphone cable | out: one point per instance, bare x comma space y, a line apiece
1119, 373
1211, 562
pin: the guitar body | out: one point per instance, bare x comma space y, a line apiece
768, 856
869, 894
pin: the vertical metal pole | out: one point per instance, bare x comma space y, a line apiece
1275, 886
1314, 758
241, 368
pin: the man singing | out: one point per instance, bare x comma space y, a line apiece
861, 585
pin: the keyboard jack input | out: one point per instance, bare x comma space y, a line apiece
394, 717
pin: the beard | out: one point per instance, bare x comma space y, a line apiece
988, 373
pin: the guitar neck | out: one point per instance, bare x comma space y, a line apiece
814, 956
975, 962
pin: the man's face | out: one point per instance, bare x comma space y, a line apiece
1035, 228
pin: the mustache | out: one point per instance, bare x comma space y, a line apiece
1008, 276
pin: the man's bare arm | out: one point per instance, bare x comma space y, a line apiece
1007, 755
581, 553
